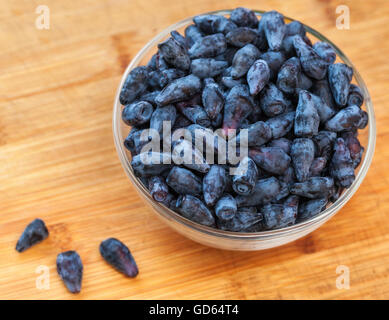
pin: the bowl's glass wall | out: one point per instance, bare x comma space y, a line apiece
235, 240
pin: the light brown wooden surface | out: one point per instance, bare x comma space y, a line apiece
58, 162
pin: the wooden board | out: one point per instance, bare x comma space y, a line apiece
58, 162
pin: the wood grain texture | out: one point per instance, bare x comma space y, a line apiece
58, 162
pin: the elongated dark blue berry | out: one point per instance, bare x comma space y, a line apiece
341, 166
237, 107
239, 37
246, 175
288, 79
325, 51
150, 164
324, 142
34, 233
214, 184
117, 254
315, 187
137, 139
272, 100
166, 76
208, 46
258, 76
192, 35
339, 77
273, 25
258, 134
243, 60
302, 154
354, 146
246, 219
207, 67
165, 114
212, 98
205, 22
244, 17
271, 159
226, 208
134, 85
194, 209
346, 119
70, 269
313, 65
311, 208
355, 96
283, 143
175, 53
158, 188
179, 90
265, 190
307, 119
137, 113
281, 124
196, 114
278, 216
211, 23
184, 181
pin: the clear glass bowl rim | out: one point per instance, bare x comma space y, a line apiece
273, 234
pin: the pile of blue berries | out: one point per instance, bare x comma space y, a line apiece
300, 108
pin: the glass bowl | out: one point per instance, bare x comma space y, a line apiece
237, 240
